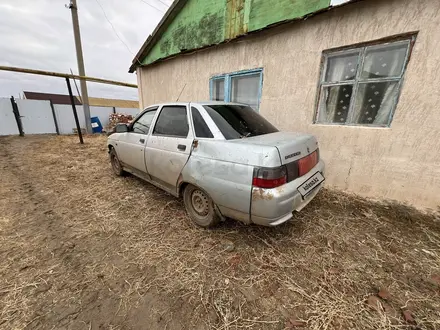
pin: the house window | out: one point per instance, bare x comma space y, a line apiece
218, 91
361, 86
241, 87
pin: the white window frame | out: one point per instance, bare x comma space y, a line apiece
361, 50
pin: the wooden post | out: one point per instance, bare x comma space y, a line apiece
54, 117
65, 75
114, 110
75, 114
17, 116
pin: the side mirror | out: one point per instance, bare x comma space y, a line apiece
121, 128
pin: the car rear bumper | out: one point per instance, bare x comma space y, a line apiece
272, 207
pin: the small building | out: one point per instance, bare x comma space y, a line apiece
93, 101
360, 75
45, 113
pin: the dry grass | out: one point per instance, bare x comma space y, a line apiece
81, 248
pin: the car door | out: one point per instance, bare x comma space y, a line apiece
169, 146
132, 144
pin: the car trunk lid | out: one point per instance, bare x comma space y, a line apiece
291, 146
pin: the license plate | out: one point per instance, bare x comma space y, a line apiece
308, 186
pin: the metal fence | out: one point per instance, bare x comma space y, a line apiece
42, 117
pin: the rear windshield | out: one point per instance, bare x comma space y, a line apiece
239, 121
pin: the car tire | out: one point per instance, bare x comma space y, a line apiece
200, 207
116, 164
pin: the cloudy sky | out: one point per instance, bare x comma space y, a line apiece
38, 34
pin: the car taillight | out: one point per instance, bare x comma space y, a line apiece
269, 177
305, 164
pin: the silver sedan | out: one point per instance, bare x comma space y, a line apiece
225, 159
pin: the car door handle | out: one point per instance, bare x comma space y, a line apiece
142, 140
181, 147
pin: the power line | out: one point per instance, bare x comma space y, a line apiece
152, 6
116, 32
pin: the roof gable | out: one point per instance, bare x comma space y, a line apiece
188, 24
195, 24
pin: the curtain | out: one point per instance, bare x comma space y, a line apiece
386, 106
336, 103
374, 100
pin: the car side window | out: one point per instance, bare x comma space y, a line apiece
200, 127
172, 121
142, 125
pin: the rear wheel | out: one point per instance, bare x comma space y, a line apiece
116, 164
200, 207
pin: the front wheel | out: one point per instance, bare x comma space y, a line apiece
116, 164
200, 207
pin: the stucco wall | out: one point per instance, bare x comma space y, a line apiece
401, 162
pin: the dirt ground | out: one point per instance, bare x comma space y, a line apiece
83, 249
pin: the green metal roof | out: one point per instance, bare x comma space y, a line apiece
189, 25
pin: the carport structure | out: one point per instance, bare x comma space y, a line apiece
67, 77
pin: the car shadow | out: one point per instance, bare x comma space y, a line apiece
229, 227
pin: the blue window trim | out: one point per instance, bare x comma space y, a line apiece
228, 85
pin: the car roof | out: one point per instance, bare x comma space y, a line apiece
199, 103
218, 103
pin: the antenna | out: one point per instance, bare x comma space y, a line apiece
181, 93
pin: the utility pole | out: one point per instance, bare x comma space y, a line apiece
79, 56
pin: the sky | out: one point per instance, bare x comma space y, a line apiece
37, 34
